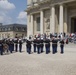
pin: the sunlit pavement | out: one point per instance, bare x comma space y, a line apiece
40, 64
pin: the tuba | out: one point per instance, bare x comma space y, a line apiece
5, 47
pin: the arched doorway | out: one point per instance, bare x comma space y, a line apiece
73, 24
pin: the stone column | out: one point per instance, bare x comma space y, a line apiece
29, 25
61, 19
52, 20
41, 22
32, 27
28, 32
65, 20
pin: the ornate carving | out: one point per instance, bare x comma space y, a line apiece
47, 23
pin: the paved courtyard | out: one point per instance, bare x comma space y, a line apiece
42, 64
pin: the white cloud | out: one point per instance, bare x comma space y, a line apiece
5, 5
5, 19
1, 19
22, 18
5, 8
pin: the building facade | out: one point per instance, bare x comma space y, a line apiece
51, 16
13, 30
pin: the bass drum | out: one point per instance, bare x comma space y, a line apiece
5, 47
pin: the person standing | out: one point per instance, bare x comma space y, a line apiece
20, 45
62, 46
7, 45
47, 45
16, 45
56, 45
34, 44
51, 35
1, 48
10, 46
28, 45
53, 45
41, 44
38, 45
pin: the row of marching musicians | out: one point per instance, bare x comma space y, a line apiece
10, 45
39, 43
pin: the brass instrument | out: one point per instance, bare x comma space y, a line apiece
5, 47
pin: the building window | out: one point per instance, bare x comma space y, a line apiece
8, 35
16, 36
0, 29
5, 29
38, 24
23, 29
8, 29
16, 28
3, 36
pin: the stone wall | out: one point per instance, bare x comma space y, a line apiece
11, 34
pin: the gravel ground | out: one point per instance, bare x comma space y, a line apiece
42, 64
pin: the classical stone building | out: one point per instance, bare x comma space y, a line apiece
51, 16
12, 31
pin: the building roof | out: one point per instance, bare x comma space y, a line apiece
15, 24
13, 27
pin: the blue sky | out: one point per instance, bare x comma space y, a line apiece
12, 11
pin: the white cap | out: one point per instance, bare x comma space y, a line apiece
10, 39
34, 38
41, 38
15, 39
38, 38
27, 38
19, 39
